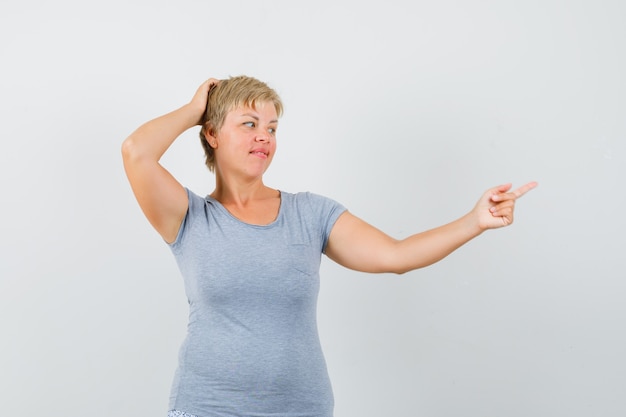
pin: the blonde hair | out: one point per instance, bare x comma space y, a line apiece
227, 95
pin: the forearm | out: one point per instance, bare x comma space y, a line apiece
153, 138
426, 248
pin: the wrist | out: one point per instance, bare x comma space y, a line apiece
192, 113
473, 225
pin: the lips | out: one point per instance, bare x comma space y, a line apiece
261, 153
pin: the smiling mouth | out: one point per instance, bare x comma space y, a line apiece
259, 153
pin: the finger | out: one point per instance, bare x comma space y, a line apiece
207, 86
212, 82
525, 188
502, 188
203, 94
494, 192
507, 204
506, 214
514, 194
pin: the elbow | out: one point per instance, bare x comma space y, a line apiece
402, 271
413, 266
398, 262
401, 266
127, 148
130, 150
395, 268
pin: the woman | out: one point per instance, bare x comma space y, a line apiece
250, 255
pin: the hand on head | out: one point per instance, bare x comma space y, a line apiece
201, 98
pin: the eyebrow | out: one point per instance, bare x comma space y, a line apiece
257, 118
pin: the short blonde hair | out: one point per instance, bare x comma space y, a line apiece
230, 94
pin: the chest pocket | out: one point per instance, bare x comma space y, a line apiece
304, 258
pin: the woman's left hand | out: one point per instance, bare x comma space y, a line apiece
495, 208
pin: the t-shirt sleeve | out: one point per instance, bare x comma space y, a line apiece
326, 211
195, 206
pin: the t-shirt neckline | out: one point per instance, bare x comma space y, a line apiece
238, 220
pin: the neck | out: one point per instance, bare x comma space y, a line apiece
239, 193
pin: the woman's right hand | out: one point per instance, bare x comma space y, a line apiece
201, 97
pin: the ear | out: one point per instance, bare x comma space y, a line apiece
209, 135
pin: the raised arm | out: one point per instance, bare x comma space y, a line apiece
360, 246
161, 197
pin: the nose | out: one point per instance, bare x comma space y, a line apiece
262, 136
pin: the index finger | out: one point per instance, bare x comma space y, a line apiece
524, 189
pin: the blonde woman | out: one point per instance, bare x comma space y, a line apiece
250, 255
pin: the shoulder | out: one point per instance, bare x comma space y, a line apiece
308, 205
307, 200
195, 217
307, 197
196, 202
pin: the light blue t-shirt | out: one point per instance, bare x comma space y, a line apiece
252, 347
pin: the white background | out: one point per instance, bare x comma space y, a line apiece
405, 112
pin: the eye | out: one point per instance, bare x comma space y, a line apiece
272, 130
249, 124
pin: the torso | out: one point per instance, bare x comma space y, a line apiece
252, 345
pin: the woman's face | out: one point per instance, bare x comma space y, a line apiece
246, 143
